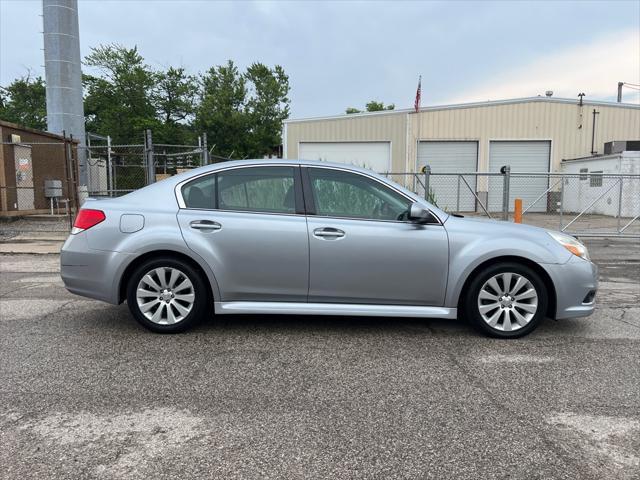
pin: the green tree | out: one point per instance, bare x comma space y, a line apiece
24, 102
174, 98
119, 102
267, 107
242, 113
372, 106
221, 110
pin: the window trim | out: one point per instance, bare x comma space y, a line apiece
310, 203
302, 185
297, 185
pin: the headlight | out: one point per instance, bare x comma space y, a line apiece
571, 244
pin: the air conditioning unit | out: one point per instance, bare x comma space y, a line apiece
619, 146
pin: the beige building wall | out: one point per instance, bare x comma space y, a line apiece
388, 128
565, 123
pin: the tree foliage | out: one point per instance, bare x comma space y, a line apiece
24, 102
372, 106
241, 111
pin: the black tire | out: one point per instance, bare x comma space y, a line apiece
471, 309
199, 291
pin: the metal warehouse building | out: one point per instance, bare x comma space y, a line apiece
529, 134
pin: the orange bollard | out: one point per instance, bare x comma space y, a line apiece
517, 215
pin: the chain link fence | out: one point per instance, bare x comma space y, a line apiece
40, 186
38, 191
114, 170
585, 204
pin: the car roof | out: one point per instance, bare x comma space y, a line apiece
280, 161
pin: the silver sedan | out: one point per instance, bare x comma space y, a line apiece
298, 237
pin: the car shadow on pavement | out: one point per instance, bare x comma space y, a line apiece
120, 318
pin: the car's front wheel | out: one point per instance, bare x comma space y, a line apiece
167, 296
506, 300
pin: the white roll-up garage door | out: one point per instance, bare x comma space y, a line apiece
522, 157
375, 156
450, 157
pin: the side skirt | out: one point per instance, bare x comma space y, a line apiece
293, 308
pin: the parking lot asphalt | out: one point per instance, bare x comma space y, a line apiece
87, 393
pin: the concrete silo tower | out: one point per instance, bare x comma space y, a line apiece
63, 73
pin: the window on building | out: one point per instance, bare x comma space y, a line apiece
595, 179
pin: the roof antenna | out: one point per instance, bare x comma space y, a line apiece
580, 95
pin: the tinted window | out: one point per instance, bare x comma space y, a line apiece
343, 194
200, 193
257, 189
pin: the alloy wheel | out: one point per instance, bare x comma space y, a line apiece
507, 301
165, 295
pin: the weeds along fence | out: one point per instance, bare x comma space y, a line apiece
585, 204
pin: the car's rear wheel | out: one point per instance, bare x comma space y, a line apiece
506, 300
166, 295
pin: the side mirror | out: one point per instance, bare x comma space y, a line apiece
418, 213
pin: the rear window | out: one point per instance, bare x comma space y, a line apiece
255, 189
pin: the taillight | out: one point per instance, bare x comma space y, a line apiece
86, 219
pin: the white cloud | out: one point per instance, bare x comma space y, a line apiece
594, 68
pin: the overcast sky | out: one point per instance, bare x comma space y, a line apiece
342, 53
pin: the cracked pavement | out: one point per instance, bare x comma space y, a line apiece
86, 393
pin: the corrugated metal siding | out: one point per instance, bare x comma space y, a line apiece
535, 120
389, 128
523, 157
450, 157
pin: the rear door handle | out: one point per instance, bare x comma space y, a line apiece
328, 232
205, 225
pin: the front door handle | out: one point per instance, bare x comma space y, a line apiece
328, 232
205, 225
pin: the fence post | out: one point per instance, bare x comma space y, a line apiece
506, 172
620, 179
66, 174
563, 179
205, 152
427, 179
110, 171
148, 146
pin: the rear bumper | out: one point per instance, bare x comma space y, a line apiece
574, 281
91, 273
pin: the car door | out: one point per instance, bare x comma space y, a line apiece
361, 247
248, 223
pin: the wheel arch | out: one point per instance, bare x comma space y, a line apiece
130, 268
544, 276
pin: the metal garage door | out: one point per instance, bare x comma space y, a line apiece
450, 157
522, 156
375, 156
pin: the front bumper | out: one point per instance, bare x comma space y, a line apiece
574, 281
89, 272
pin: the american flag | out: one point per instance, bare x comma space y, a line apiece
418, 94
